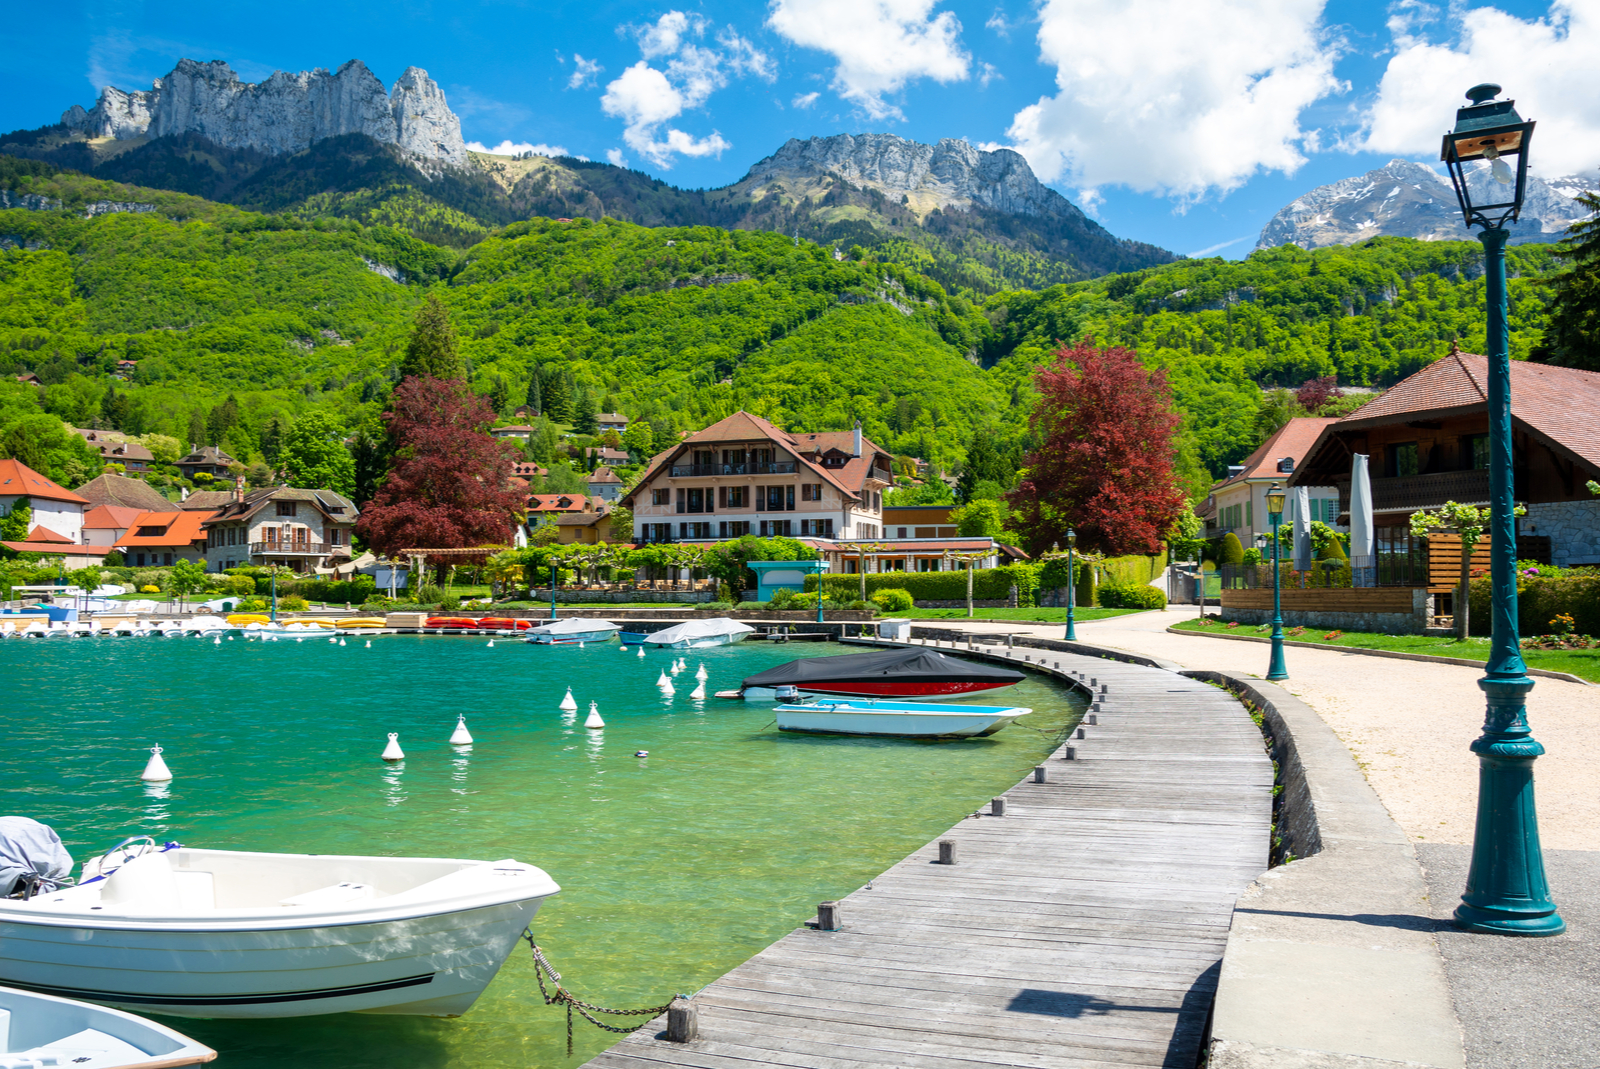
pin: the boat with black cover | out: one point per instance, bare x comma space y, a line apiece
915, 674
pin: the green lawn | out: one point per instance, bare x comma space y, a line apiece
1035, 615
1585, 664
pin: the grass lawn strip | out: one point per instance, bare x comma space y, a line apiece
1585, 664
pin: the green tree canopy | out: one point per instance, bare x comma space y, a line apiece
315, 458
433, 349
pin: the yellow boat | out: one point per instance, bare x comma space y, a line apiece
360, 622
245, 619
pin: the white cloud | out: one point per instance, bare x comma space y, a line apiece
743, 57
988, 72
667, 35
1218, 247
584, 72
517, 148
880, 45
804, 100
1000, 24
1175, 96
616, 157
1546, 64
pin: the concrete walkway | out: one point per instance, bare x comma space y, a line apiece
1408, 723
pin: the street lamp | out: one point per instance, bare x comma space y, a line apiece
1072, 585
1275, 667
1506, 888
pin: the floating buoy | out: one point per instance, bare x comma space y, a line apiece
568, 704
675, 669
701, 674
461, 736
641, 753
217, 641
663, 682
369, 643
491, 643
341, 642
334, 639
594, 720
699, 693
641, 651
155, 770
669, 690
392, 752
580, 644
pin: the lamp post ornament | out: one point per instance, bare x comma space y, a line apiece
1506, 889
1276, 670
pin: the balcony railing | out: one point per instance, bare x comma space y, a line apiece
779, 467
1410, 492
298, 549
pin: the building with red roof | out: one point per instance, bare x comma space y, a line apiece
1239, 502
161, 538
55, 508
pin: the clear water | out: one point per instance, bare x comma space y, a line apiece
673, 868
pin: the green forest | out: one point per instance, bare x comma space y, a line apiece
678, 326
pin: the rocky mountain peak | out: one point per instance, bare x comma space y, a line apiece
283, 114
1409, 200
950, 174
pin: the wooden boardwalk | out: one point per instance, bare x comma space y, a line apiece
1083, 928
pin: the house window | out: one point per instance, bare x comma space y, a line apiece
140, 563
1249, 513
333, 536
1478, 451
151, 531
775, 498
927, 564
902, 531
697, 499
810, 491
736, 497
694, 530
777, 528
661, 497
683, 500
735, 528
166, 558
286, 508
1400, 460
820, 528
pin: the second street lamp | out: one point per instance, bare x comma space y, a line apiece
1506, 888
1275, 667
1072, 585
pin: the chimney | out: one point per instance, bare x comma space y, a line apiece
238, 489
858, 440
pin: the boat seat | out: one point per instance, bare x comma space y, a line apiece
334, 895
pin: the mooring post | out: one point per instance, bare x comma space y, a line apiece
683, 1021
997, 807
828, 919
1011, 640
1093, 719
1071, 754
1104, 687
1082, 734
1038, 773
947, 851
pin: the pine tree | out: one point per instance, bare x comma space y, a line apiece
557, 395
272, 439
1575, 312
535, 398
583, 414
433, 350
197, 429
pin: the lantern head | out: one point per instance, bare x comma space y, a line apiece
1487, 156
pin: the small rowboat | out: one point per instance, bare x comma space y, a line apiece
44, 1030
572, 631
918, 720
915, 674
693, 635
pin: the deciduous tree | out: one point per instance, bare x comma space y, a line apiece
1105, 425
315, 458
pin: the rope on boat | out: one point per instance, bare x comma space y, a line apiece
541, 966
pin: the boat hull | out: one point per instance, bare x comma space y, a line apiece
638, 639
896, 719
912, 690
49, 1030
435, 965
571, 638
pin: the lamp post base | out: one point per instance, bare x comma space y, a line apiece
1507, 893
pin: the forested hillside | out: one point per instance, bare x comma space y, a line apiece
675, 325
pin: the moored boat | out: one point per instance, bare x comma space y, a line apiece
692, 635
899, 673
233, 933
922, 720
572, 630
47, 1030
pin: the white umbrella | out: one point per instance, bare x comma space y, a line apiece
1300, 511
1363, 566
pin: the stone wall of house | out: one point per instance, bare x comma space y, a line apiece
1573, 528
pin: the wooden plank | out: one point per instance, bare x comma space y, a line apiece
1082, 929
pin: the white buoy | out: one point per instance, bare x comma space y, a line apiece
392, 752
662, 681
580, 644
461, 736
341, 642
334, 638
594, 720
674, 669
491, 643
699, 693
701, 674
568, 704
155, 770
641, 651
369, 643
669, 690
217, 641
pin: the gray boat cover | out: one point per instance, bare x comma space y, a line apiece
904, 665
31, 849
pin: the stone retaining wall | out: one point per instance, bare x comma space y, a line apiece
1573, 528
565, 596
1390, 610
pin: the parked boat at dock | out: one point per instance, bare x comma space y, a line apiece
233, 933
47, 1030
692, 635
572, 630
898, 673
922, 720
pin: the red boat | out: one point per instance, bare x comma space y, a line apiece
904, 673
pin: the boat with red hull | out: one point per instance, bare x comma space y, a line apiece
914, 674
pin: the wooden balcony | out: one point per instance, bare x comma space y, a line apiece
1411, 492
297, 549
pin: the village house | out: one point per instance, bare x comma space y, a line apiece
104, 525
162, 538
582, 527
1238, 504
599, 454
123, 492
611, 421
518, 432
544, 508
1428, 443
742, 475
918, 521
604, 484
304, 530
205, 460
115, 447
55, 508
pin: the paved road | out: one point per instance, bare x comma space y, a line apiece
1407, 722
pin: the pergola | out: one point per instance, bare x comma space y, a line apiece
419, 558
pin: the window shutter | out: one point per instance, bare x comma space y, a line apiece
722, 497
789, 498
683, 502
761, 503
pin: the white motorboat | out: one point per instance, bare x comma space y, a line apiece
163, 628
693, 635
571, 630
46, 1030
206, 626
232, 933
923, 720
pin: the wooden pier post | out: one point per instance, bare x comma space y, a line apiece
683, 1021
828, 919
947, 851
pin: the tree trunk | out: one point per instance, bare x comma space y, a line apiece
1462, 608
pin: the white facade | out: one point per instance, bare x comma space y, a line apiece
65, 518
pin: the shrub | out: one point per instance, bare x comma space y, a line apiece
988, 584
1128, 596
113, 559
1333, 549
1251, 556
1232, 550
862, 606
893, 599
1540, 599
715, 606
149, 588
293, 604
342, 591
808, 601
254, 603
782, 598
449, 603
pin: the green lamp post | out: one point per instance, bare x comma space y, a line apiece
1072, 585
554, 575
1276, 670
1506, 889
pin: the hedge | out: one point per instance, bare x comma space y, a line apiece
343, 591
1132, 596
988, 584
1131, 570
1540, 599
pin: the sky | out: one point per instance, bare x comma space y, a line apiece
1184, 123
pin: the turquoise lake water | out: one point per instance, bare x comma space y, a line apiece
673, 868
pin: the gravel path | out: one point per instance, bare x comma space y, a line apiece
1408, 723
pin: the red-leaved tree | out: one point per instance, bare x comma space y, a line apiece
1314, 393
1105, 427
447, 486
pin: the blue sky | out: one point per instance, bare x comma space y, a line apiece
1186, 123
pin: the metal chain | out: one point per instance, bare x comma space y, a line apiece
541, 965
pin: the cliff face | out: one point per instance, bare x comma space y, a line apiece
1408, 200
283, 114
950, 174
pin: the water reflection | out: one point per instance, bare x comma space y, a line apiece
394, 791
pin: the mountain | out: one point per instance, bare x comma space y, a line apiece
319, 145
283, 114
1409, 200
